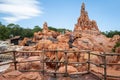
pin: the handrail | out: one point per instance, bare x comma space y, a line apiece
102, 65
5, 52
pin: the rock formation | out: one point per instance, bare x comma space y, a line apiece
86, 36
45, 34
84, 23
45, 28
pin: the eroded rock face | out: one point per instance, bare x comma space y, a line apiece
22, 43
117, 50
43, 44
45, 27
29, 65
45, 34
16, 75
115, 38
12, 74
117, 67
84, 23
88, 37
70, 69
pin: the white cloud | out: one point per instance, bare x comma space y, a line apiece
19, 9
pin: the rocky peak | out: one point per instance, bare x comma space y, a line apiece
45, 27
84, 14
84, 23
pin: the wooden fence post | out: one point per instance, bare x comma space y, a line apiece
88, 62
105, 67
66, 64
14, 59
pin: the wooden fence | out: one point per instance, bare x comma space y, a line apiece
103, 65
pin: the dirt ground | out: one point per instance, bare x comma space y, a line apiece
16, 75
81, 77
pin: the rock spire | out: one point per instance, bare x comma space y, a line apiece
84, 23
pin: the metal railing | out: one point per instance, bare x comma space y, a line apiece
42, 53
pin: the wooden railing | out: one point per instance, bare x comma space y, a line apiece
88, 62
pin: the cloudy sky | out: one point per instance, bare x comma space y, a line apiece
60, 13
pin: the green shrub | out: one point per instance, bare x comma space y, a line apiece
116, 45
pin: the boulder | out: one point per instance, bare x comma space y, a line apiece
70, 69
117, 50
12, 74
30, 76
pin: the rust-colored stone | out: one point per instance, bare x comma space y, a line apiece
70, 69
84, 23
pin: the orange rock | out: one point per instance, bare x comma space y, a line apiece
117, 67
2, 78
70, 69
63, 38
84, 23
45, 27
28, 65
82, 68
117, 50
25, 65
72, 57
43, 44
37, 36
115, 38
62, 46
30, 76
24, 41
12, 74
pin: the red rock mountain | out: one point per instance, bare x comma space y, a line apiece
84, 23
